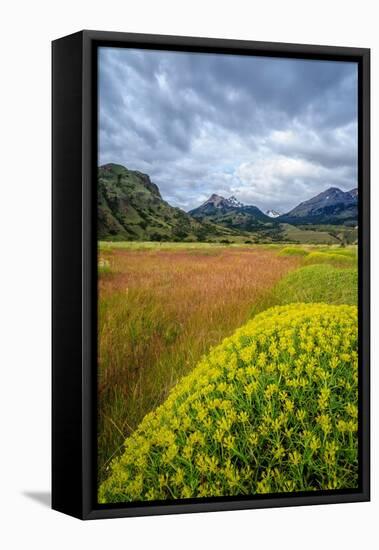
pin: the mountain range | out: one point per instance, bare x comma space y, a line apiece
332, 206
231, 213
130, 207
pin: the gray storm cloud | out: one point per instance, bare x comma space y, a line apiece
272, 131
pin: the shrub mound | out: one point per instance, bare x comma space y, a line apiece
293, 251
350, 251
272, 409
318, 283
330, 258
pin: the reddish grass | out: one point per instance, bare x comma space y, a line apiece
159, 312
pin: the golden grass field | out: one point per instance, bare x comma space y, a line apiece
160, 309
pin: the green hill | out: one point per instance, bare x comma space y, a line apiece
130, 207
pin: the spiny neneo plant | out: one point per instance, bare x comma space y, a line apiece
272, 409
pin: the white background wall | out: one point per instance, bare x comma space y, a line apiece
26, 31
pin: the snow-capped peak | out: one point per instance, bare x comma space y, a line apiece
272, 213
217, 201
232, 201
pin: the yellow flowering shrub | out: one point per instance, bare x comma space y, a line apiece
293, 251
272, 409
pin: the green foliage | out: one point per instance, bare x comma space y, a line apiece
293, 251
318, 283
271, 246
104, 267
272, 409
334, 258
350, 251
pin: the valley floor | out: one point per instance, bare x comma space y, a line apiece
163, 305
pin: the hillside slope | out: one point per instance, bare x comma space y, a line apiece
130, 207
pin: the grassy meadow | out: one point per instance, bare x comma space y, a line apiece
163, 306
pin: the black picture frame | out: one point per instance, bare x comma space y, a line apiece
74, 294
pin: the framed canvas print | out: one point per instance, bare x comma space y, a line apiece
210, 274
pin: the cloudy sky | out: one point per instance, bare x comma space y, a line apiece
272, 132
